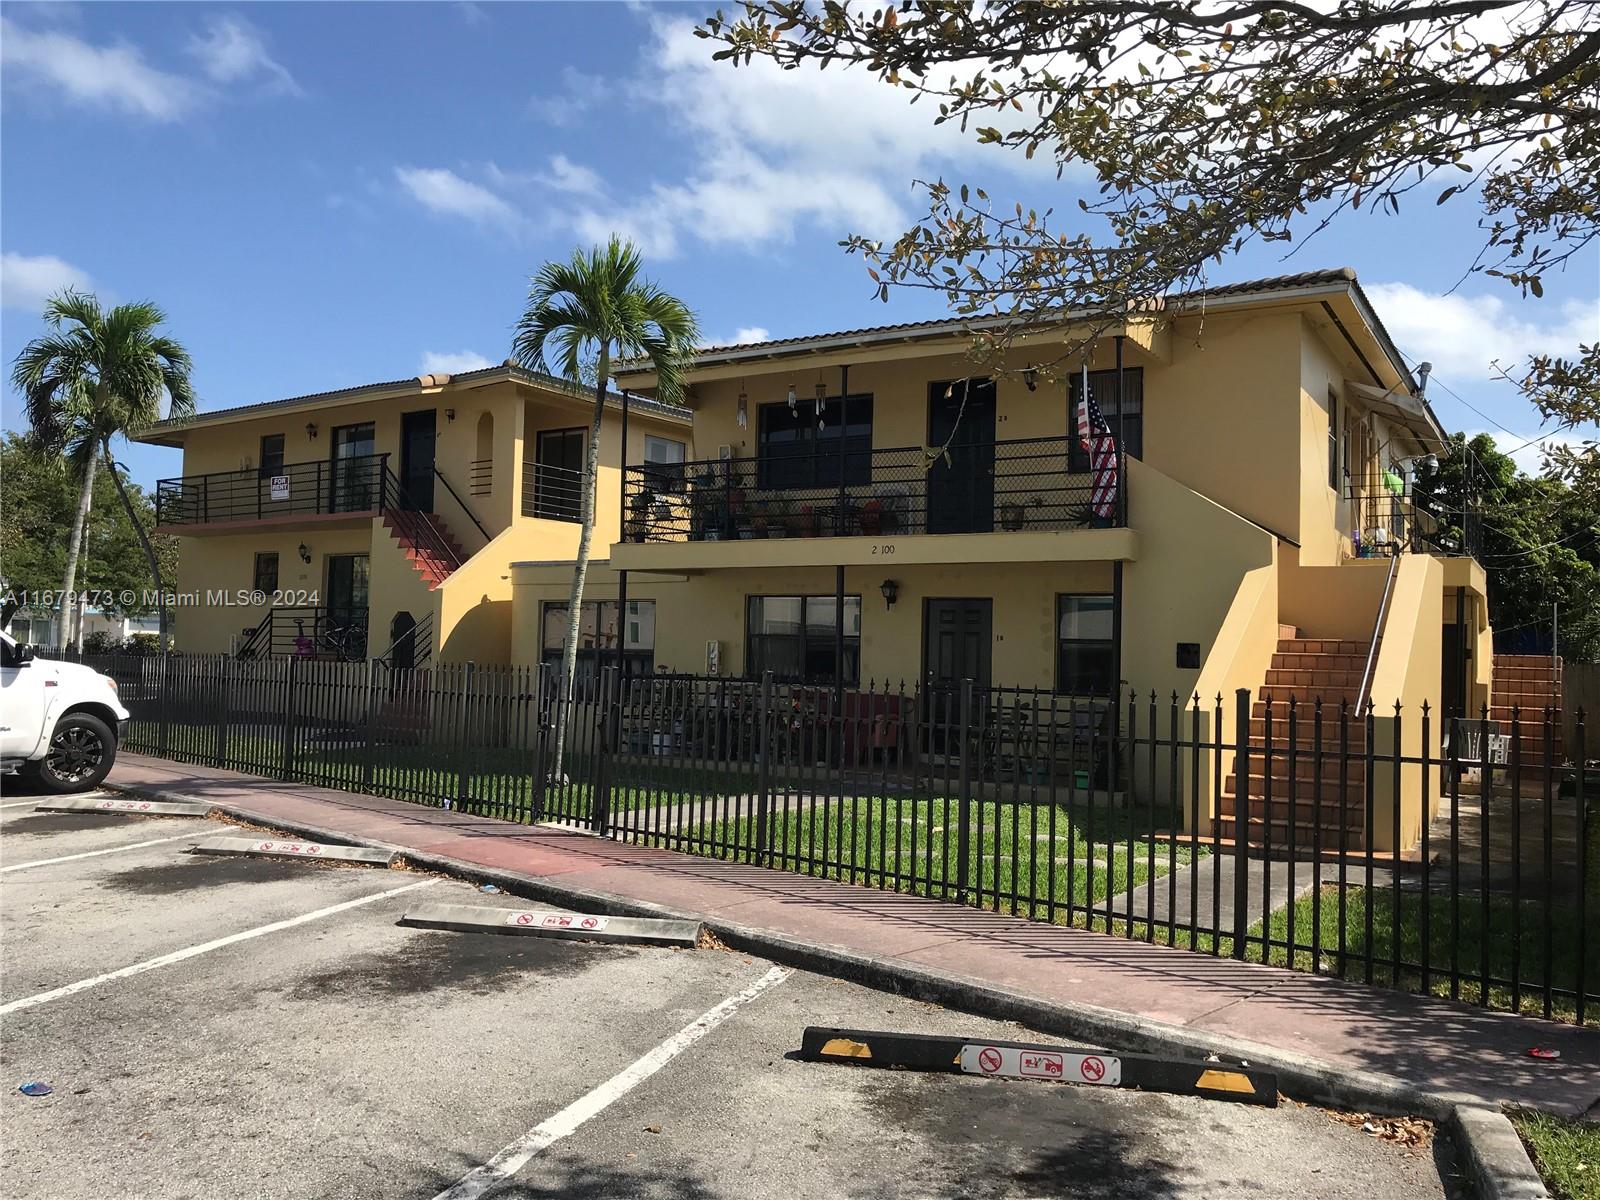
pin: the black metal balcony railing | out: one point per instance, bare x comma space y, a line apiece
1387, 524
342, 485
480, 476
554, 493
1012, 485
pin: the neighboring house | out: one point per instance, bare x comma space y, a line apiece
1269, 429
365, 513
37, 627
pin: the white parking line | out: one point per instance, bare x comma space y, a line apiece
515, 1156
166, 960
25, 803
45, 862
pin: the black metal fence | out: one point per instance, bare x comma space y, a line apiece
1308, 835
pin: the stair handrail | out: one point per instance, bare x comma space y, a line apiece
434, 540
1364, 696
422, 629
462, 504
247, 648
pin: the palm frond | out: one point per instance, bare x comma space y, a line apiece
597, 304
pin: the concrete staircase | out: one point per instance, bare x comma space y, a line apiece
1305, 670
427, 542
1524, 686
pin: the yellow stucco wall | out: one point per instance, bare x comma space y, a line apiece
1408, 669
228, 563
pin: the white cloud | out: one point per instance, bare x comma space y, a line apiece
453, 364
114, 76
568, 176
1463, 335
445, 192
232, 51
752, 333
577, 94
776, 150
27, 281
434, 363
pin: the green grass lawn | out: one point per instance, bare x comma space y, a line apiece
1017, 863
1567, 1153
1476, 936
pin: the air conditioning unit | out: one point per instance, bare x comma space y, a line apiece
725, 451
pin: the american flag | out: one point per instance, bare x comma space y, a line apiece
1094, 435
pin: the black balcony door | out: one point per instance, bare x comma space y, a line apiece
347, 589
352, 478
558, 493
417, 433
961, 481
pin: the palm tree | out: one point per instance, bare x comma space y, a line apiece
581, 316
96, 375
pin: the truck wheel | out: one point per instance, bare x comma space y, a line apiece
81, 752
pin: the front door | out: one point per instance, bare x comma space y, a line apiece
959, 634
961, 420
558, 495
353, 473
347, 603
417, 432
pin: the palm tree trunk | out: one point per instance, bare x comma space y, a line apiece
580, 568
144, 540
69, 577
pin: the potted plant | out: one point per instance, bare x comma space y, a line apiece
638, 514
872, 517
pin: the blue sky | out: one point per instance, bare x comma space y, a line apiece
325, 195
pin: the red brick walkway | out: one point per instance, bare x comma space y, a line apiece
1431, 1042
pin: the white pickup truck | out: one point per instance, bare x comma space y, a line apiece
60, 722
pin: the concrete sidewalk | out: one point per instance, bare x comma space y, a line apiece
1436, 1044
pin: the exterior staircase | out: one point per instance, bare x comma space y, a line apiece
427, 542
1526, 685
1305, 669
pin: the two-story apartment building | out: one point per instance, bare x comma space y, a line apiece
867, 505
381, 521
864, 503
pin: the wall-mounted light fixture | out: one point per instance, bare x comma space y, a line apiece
305, 553
794, 400
449, 414
891, 592
311, 430
1030, 379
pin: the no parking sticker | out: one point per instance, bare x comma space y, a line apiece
1060, 1066
556, 921
289, 848
125, 805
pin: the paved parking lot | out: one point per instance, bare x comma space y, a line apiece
219, 1027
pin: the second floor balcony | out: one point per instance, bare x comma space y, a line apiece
1036, 484
1389, 522
338, 488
